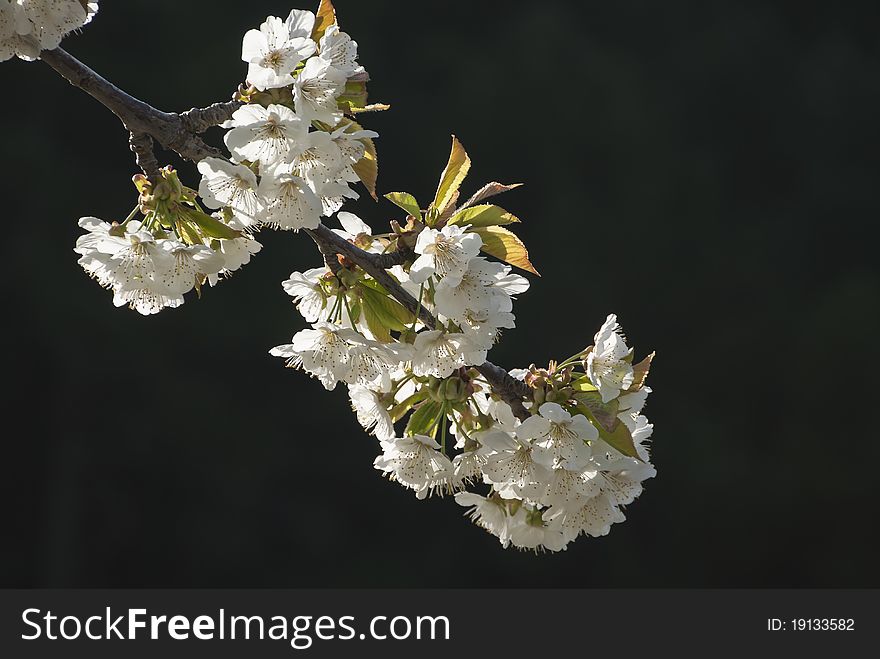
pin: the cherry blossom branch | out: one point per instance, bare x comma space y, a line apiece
180, 132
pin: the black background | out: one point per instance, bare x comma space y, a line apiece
706, 170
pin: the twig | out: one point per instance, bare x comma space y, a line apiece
142, 146
167, 128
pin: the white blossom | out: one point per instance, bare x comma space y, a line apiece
467, 467
340, 50
439, 353
620, 476
300, 23
351, 144
309, 295
559, 440
273, 54
571, 489
232, 186
29, 26
322, 351
290, 203
511, 467
445, 254
487, 513
332, 354
606, 366
129, 261
528, 530
188, 266
315, 91
319, 162
593, 518
144, 272
415, 462
371, 412
267, 135
352, 226
480, 302
237, 252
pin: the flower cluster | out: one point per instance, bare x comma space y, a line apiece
29, 26
294, 152
565, 469
151, 264
563, 465
580, 455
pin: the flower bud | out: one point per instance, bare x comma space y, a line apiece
454, 390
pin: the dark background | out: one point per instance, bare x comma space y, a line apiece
706, 170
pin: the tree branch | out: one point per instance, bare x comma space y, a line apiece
167, 128
180, 133
141, 145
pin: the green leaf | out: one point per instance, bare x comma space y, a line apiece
405, 201
604, 413
353, 96
583, 384
618, 436
324, 18
188, 232
504, 245
211, 226
375, 325
399, 411
483, 216
383, 314
424, 418
456, 170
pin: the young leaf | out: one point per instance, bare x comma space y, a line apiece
604, 413
640, 373
619, 438
354, 96
374, 323
489, 190
483, 216
504, 245
399, 410
583, 384
424, 418
405, 201
384, 311
367, 168
188, 232
456, 169
324, 18
211, 226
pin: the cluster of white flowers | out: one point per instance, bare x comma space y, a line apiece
555, 475
151, 269
30, 26
293, 151
151, 264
